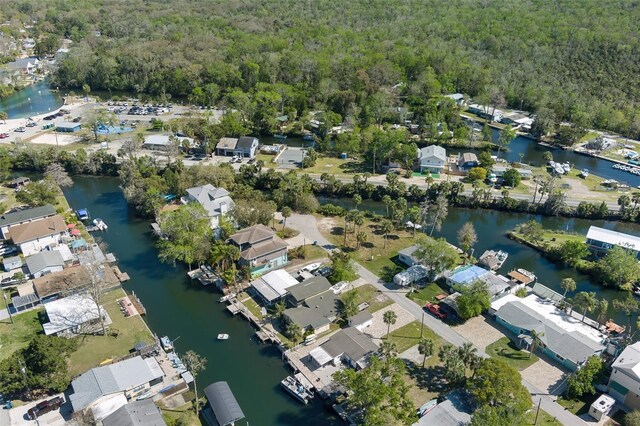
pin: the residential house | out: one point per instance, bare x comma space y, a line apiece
600, 241
488, 112
69, 281
19, 182
32, 237
24, 216
272, 286
348, 345
309, 320
361, 320
455, 410
223, 403
216, 202
315, 305
432, 159
467, 161
227, 147
73, 315
458, 98
130, 377
517, 121
135, 413
11, 263
499, 171
247, 146
45, 262
260, 249
22, 67
163, 142
468, 274
406, 256
624, 382
306, 289
563, 337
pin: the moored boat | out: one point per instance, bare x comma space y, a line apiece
223, 336
99, 223
584, 173
166, 343
297, 389
82, 214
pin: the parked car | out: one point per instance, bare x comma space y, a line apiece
77, 119
337, 289
45, 407
4, 135
323, 271
32, 124
435, 310
20, 130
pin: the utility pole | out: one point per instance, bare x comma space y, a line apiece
422, 324
23, 370
4, 295
535, 423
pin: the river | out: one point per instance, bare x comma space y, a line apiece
35, 99
191, 313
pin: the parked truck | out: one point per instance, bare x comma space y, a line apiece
414, 274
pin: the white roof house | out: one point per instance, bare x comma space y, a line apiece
163, 141
273, 286
601, 239
432, 158
72, 314
216, 201
624, 382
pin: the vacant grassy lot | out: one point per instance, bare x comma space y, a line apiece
409, 335
426, 294
95, 349
506, 351
367, 293
18, 335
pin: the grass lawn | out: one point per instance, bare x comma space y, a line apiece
18, 335
333, 166
372, 254
506, 351
409, 335
95, 349
577, 406
184, 415
268, 160
426, 294
544, 418
367, 293
253, 306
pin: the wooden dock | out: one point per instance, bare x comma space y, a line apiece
233, 309
122, 276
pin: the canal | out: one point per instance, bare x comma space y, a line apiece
191, 313
35, 99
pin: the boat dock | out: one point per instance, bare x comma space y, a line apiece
122, 276
265, 333
205, 278
92, 228
135, 301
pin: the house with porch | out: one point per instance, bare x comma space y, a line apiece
32, 237
24, 216
260, 249
624, 382
600, 241
216, 202
432, 159
348, 345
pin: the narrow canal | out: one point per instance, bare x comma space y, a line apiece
32, 100
191, 313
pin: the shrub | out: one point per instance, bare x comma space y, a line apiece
332, 210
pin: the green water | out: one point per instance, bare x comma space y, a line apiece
178, 308
32, 100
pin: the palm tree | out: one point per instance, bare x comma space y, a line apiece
294, 332
387, 202
428, 180
195, 363
466, 353
535, 341
386, 227
389, 318
286, 212
603, 308
361, 237
358, 221
278, 309
357, 200
587, 301
567, 284
425, 347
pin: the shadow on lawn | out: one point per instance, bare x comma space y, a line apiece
430, 378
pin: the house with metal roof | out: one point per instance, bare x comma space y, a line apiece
162, 142
306, 289
467, 161
563, 337
468, 274
432, 159
216, 202
272, 286
260, 249
224, 405
24, 216
130, 377
73, 315
247, 146
32, 237
624, 382
361, 320
600, 241
499, 171
456, 97
348, 345
455, 410
406, 256
135, 413
45, 262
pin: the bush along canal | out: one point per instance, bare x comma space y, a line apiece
189, 312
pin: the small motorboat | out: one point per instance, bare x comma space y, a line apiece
566, 167
223, 336
99, 223
584, 173
227, 297
166, 343
82, 214
280, 136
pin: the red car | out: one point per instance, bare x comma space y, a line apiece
4, 135
435, 310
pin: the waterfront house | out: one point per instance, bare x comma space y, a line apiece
308, 319
226, 409
467, 161
216, 202
432, 159
468, 274
68, 127
73, 315
11, 263
406, 256
499, 171
361, 320
308, 288
24, 216
45, 262
272, 286
226, 147
563, 337
245, 146
69, 281
260, 249
315, 305
518, 121
135, 413
130, 377
488, 112
455, 410
458, 98
348, 345
624, 382
32, 237
600, 241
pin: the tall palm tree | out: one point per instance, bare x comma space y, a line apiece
535, 341
587, 301
361, 237
389, 318
603, 308
387, 227
466, 353
567, 284
425, 347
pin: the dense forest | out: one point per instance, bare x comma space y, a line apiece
566, 60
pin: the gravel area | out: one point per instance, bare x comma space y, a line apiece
378, 328
480, 331
545, 376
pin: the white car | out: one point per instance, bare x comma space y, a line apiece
338, 288
311, 267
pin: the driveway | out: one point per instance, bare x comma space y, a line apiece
479, 331
546, 376
59, 417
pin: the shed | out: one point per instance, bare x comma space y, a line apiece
68, 127
11, 263
223, 403
361, 320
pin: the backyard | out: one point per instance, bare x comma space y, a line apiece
367, 293
505, 350
426, 294
18, 335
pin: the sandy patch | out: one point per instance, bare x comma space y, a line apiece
50, 139
545, 376
378, 328
479, 331
326, 224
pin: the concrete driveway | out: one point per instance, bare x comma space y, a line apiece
59, 417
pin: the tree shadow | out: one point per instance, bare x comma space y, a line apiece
355, 167
387, 273
430, 378
337, 230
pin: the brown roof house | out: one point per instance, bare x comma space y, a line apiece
32, 237
69, 281
260, 249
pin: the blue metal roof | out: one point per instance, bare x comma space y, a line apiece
468, 274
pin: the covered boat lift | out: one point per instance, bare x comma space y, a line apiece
224, 405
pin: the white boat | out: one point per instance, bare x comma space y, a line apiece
566, 167
166, 343
559, 169
312, 267
584, 173
99, 223
223, 336
297, 389
227, 297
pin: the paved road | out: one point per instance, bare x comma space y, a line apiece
307, 224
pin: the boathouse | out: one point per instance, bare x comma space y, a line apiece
600, 241
224, 405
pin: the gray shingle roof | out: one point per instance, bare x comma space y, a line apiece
325, 304
434, 151
246, 142
224, 404
9, 219
44, 259
306, 317
309, 288
351, 342
137, 413
571, 345
212, 199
